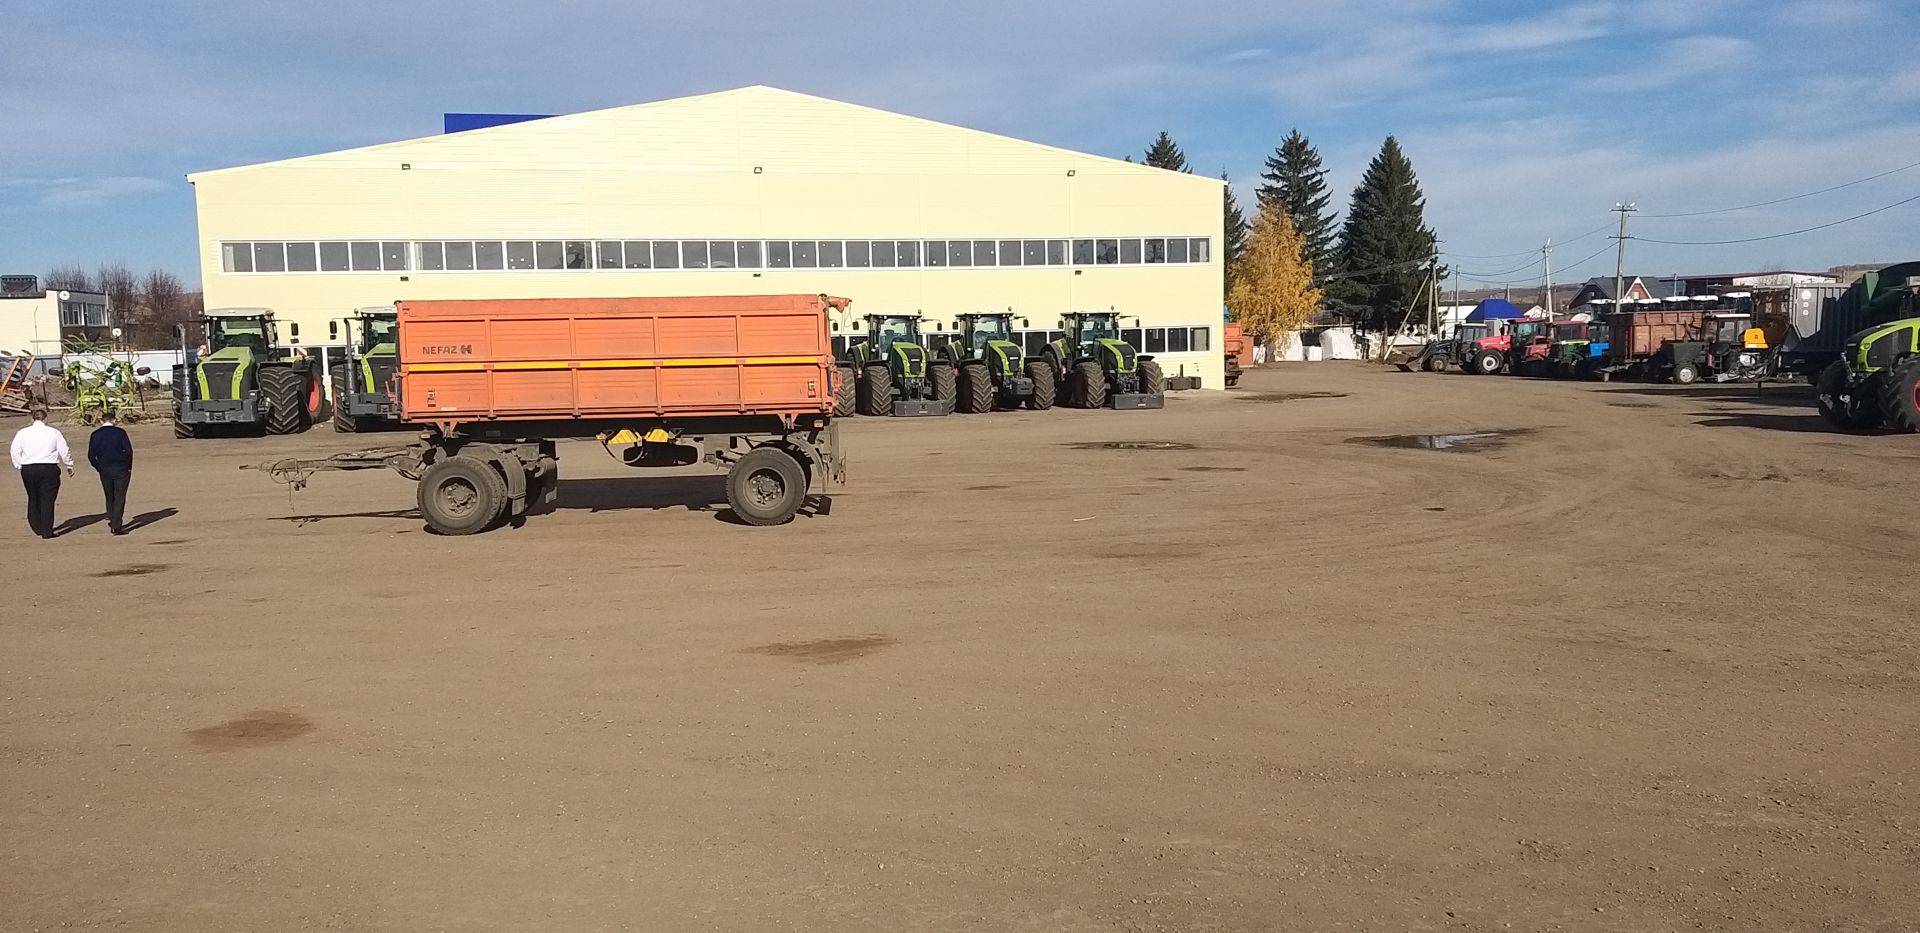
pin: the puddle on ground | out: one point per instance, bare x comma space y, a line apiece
1469, 441
987, 487
134, 570
1132, 445
824, 650
254, 729
1286, 396
1212, 469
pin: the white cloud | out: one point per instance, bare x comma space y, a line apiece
1679, 61
83, 192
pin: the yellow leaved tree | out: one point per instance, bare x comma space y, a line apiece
1273, 291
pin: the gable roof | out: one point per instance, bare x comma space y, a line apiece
1656, 287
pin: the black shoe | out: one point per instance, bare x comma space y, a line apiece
119, 531
48, 537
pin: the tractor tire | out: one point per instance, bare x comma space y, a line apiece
318, 406
845, 397
1686, 374
285, 394
876, 391
1089, 386
1836, 405
1043, 387
185, 431
1899, 396
1153, 380
462, 495
976, 389
766, 487
943, 380
1486, 363
1434, 364
342, 422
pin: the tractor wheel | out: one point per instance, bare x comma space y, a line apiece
284, 391
976, 389
1843, 408
183, 430
1042, 375
1089, 385
318, 408
766, 487
1486, 363
462, 495
1686, 374
845, 392
1900, 396
876, 391
1434, 363
942, 377
1153, 380
343, 423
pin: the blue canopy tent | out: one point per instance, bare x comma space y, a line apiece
1494, 309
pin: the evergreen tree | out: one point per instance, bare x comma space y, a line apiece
1273, 291
1296, 180
1235, 232
1385, 246
1165, 153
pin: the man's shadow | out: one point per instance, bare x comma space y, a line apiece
135, 523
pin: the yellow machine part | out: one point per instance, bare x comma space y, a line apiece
1754, 339
626, 436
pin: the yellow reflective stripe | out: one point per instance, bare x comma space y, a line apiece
611, 364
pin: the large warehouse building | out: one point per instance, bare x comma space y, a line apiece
751, 191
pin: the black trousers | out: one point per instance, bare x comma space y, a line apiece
113, 482
43, 486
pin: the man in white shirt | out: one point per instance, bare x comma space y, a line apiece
39, 451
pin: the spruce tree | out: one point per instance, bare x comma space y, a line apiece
1297, 181
1385, 246
1235, 233
1165, 153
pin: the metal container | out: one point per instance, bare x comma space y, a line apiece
1637, 335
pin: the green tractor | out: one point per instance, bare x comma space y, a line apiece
993, 371
1093, 368
243, 377
363, 385
891, 372
1876, 380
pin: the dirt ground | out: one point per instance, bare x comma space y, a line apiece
1648, 663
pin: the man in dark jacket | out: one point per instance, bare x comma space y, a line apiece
111, 452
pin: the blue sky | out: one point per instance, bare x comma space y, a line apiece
1524, 120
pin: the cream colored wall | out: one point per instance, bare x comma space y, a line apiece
687, 170
30, 326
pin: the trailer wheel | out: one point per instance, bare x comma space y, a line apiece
283, 390
766, 487
1089, 385
976, 389
1153, 379
1900, 396
876, 391
1686, 374
1486, 363
845, 399
343, 423
942, 378
1041, 372
462, 495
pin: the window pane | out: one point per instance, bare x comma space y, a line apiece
489, 255
1083, 252
609, 254
639, 254
908, 253
301, 257
882, 253
1199, 249
1132, 336
959, 253
666, 254
693, 254
779, 254
1033, 253
459, 255
366, 255
333, 257
1156, 340
1009, 252
433, 256
983, 253
1176, 340
859, 254
1107, 252
749, 254
579, 254
720, 254
1034, 341
394, 255
1156, 250
238, 256
547, 254
1130, 252
1056, 252
936, 253
269, 257
831, 254
1202, 339
1177, 249
519, 254
803, 255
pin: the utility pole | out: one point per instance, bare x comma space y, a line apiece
1547, 251
1620, 254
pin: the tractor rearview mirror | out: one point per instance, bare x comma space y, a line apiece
834, 324
333, 330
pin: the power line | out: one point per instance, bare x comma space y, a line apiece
1776, 236
1602, 251
1528, 252
1483, 276
1746, 207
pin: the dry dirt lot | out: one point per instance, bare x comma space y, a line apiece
1648, 665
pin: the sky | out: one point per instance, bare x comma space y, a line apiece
1525, 121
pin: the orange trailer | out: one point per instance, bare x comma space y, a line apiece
746, 383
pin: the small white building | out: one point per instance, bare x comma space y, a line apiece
35, 321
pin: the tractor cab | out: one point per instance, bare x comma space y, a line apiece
1530, 340
980, 332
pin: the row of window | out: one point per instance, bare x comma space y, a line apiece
560, 255
1146, 339
76, 313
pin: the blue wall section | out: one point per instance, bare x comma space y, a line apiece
459, 122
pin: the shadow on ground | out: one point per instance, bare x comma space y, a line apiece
617, 494
1783, 395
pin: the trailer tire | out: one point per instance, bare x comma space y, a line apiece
1486, 363
1153, 379
1041, 372
1686, 374
343, 423
845, 397
284, 392
1899, 396
876, 390
943, 382
766, 487
1089, 385
976, 389
462, 495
